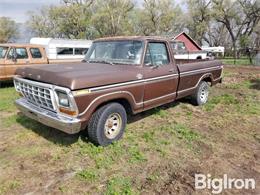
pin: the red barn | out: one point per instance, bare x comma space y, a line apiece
190, 44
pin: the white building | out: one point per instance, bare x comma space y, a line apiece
63, 49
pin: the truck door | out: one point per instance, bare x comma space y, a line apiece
16, 57
3, 51
161, 75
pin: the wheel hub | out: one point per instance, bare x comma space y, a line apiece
113, 125
204, 94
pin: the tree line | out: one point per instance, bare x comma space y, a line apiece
228, 23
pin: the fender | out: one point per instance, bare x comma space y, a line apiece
135, 106
190, 90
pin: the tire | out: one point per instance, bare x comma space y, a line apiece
107, 124
200, 96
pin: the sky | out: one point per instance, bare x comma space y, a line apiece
18, 9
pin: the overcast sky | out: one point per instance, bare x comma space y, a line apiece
17, 9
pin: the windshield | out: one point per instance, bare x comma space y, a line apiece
116, 52
3, 51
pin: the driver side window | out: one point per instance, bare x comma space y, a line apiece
156, 54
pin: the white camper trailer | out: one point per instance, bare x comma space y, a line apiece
63, 49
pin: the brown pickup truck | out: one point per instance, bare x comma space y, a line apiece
13, 56
119, 76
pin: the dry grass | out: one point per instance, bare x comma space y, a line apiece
160, 152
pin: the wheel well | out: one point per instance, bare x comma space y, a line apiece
199, 57
208, 80
121, 101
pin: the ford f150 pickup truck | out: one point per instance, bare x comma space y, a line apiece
119, 76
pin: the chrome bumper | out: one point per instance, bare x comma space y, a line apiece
48, 118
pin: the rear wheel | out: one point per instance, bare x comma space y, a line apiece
107, 124
201, 94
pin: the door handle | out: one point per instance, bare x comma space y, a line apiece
171, 70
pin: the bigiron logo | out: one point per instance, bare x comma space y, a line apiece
217, 185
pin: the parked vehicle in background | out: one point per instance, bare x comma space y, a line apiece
119, 76
186, 48
13, 56
214, 50
49, 51
181, 52
63, 49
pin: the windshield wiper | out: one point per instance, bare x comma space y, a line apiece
101, 61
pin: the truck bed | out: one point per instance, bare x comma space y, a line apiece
192, 72
185, 61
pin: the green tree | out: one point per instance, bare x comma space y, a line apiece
111, 17
198, 19
239, 17
158, 18
65, 21
8, 30
255, 38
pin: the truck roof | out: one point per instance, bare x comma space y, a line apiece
19, 45
157, 38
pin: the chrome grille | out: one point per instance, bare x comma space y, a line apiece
36, 94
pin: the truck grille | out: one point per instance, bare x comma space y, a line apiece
36, 94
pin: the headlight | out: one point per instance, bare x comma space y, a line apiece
65, 102
63, 99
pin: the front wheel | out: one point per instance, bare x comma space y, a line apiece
201, 94
107, 124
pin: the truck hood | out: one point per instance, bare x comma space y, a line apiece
80, 75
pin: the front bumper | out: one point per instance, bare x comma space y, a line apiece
48, 118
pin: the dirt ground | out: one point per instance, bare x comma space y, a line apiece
160, 153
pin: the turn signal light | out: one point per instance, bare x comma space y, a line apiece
68, 112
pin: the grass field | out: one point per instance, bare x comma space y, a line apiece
232, 61
160, 152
